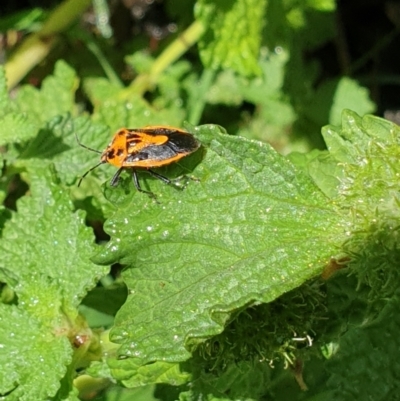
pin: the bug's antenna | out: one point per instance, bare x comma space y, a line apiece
87, 172
86, 147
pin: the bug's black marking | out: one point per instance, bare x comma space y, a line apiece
111, 154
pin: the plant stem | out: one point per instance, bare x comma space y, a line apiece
38, 45
103, 61
197, 99
179, 46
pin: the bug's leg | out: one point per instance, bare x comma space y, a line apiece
160, 177
179, 182
139, 188
115, 179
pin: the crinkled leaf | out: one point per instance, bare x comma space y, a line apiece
45, 249
33, 360
365, 152
252, 228
56, 96
21, 119
14, 125
132, 374
361, 166
56, 142
233, 36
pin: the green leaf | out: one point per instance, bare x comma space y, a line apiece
94, 318
251, 229
56, 96
33, 360
266, 90
140, 61
45, 251
366, 150
46, 242
225, 89
133, 374
322, 5
244, 381
135, 112
144, 393
16, 128
321, 167
350, 95
26, 20
115, 295
56, 144
21, 119
233, 36
274, 113
334, 96
367, 347
99, 90
14, 125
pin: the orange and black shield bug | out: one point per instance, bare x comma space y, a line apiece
144, 149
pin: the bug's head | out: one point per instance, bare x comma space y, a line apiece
115, 154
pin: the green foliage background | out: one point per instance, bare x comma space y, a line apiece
215, 291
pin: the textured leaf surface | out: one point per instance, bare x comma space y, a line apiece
45, 242
33, 360
251, 229
22, 119
363, 322
45, 250
158, 372
234, 34
366, 151
14, 125
55, 97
